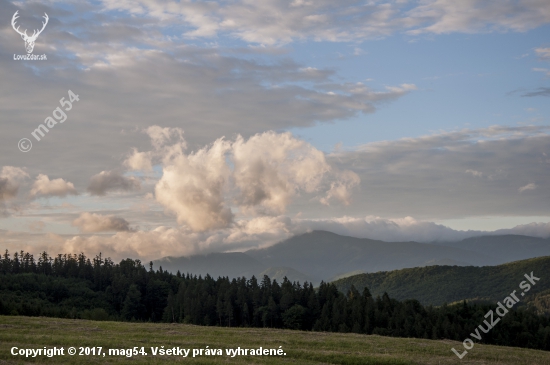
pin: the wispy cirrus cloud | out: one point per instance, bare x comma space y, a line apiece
544, 55
541, 91
530, 186
472, 16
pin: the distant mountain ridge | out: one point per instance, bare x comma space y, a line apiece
322, 255
505, 248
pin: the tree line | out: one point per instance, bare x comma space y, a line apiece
75, 286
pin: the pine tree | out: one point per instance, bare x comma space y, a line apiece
132, 308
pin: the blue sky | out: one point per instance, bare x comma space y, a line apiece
225, 125
464, 81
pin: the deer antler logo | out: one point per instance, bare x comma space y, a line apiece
29, 41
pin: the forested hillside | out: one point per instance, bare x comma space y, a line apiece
446, 284
73, 286
540, 302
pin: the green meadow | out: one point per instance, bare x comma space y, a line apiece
300, 347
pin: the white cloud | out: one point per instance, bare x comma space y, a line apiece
472, 16
112, 180
474, 173
167, 143
540, 229
192, 186
260, 175
358, 51
32, 242
340, 189
544, 70
160, 242
527, 187
43, 186
272, 21
139, 161
160, 137
543, 53
10, 181
279, 21
271, 168
92, 222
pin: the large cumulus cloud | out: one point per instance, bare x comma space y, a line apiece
192, 187
270, 168
259, 176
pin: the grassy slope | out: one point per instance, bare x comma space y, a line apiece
439, 284
301, 347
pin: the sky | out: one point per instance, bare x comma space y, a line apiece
188, 127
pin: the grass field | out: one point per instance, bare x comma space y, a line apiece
300, 347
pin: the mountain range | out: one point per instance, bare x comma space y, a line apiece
322, 255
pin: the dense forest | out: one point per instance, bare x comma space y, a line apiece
74, 286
